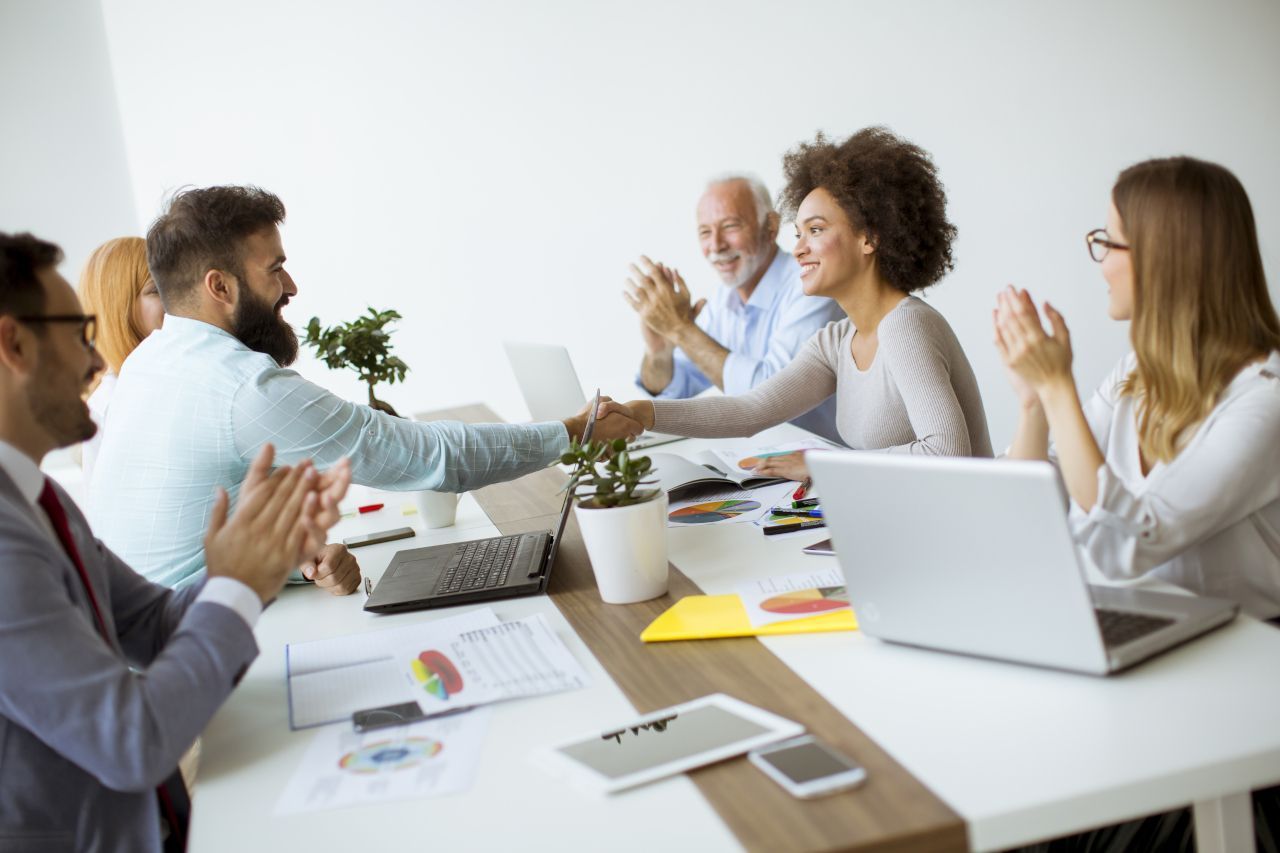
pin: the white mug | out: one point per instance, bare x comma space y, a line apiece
438, 509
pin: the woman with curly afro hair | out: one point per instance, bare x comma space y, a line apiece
872, 229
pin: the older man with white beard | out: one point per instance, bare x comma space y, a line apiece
752, 328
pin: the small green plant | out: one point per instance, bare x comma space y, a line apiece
363, 345
617, 484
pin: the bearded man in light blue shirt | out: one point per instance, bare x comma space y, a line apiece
198, 398
748, 331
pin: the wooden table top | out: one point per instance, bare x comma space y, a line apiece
892, 811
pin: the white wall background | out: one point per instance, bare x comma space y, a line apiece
490, 168
63, 172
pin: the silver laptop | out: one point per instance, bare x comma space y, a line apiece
551, 389
975, 556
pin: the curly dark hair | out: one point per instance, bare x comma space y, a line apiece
889, 189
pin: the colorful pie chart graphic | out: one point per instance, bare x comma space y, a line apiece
712, 511
437, 674
751, 462
390, 755
806, 601
774, 520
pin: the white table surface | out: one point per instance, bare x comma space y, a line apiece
1020, 753
248, 752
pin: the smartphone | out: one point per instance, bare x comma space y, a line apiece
388, 715
824, 548
807, 767
379, 537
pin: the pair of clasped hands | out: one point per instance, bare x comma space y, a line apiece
280, 523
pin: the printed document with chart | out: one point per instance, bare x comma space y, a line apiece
524, 657
343, 767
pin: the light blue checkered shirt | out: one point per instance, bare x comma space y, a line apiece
192, 408
762, 335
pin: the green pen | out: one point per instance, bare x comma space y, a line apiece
805, 503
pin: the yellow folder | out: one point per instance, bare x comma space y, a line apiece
706, 617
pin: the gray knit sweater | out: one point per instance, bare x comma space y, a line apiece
918, 396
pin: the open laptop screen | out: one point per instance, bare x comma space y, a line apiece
568, 494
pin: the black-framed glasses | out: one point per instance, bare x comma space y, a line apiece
88, 324
1100, 242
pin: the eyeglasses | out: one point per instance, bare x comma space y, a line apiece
88, 324
1100, 242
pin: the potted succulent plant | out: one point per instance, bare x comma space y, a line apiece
363, 345
622, 518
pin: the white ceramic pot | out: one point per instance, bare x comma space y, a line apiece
437, 509
627, 546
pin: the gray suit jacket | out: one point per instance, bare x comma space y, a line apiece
88, 730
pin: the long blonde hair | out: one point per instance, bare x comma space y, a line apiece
113, 277
1201, 307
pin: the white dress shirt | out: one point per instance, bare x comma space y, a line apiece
193, 406
762, 336
26, 475
1209, 520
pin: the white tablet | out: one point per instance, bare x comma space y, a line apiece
664, 743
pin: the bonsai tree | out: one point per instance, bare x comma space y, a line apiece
362, 345
618, 484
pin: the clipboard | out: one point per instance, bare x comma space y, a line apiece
709, 617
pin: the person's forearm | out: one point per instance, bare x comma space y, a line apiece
1078, 455
1031, 438
656, 371
704, 351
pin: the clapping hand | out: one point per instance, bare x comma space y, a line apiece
281, 519
1033, 358
659, 295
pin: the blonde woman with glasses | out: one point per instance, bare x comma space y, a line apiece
1171, 465
116, 286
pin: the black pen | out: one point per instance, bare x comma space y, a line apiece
772, 529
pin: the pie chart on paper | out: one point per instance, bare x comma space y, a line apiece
712, 511
820, 600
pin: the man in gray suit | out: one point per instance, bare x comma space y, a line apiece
105, 678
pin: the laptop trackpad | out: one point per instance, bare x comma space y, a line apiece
419, 566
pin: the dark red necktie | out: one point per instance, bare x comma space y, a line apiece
175, 807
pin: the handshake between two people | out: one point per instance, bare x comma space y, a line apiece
280, 522
613, 420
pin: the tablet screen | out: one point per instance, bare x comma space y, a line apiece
648, 745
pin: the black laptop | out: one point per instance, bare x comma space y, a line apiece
476, 570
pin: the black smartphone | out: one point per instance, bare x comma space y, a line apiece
379, 537
388, 715
824, 547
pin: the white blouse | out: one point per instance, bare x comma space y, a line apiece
98, 403
1209, 520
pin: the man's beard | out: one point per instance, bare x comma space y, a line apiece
257, 325
64, 416
752, 264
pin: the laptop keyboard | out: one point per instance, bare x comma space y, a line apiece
1120, 626
484, 564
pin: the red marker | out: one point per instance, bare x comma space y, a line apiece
798, 493
370, 508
